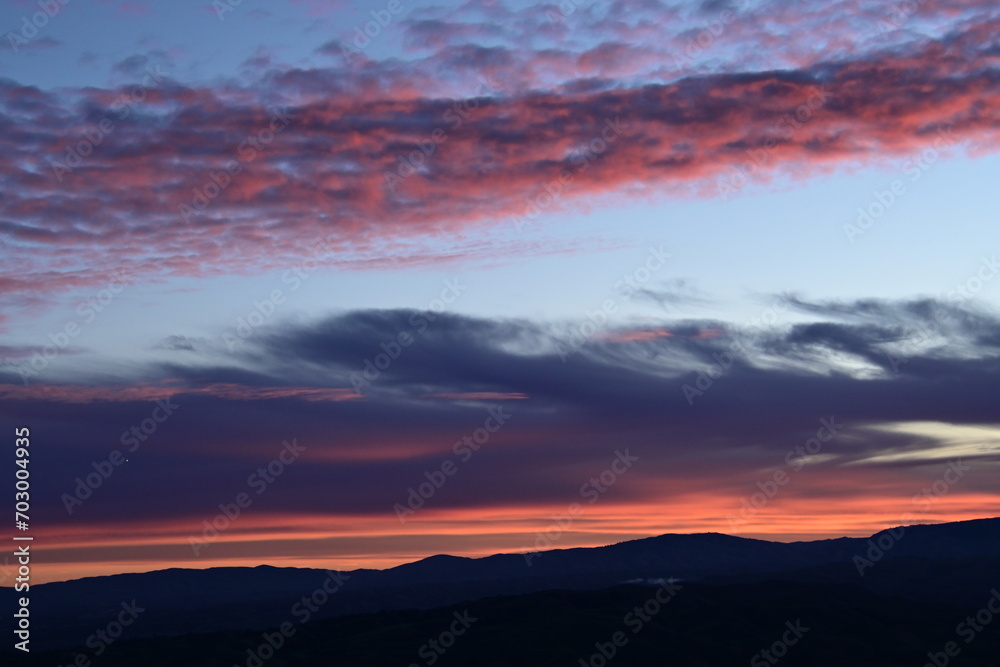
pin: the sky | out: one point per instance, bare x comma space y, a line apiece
349, 284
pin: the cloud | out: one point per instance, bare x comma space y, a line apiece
150, 392
42, 43
481, 396
132, 65
625, 336
673, 294
346, 157
180, 343
767, 393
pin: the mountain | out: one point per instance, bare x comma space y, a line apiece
953, 563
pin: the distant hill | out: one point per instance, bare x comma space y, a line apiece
953, 563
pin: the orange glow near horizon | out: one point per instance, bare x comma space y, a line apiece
354, 542
823, 499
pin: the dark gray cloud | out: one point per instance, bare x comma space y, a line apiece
761, 396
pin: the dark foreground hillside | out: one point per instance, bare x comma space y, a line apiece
797, 623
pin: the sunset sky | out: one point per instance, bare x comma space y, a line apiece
702, 250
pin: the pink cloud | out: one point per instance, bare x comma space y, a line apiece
350, 170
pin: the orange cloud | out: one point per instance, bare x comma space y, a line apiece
347, 542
